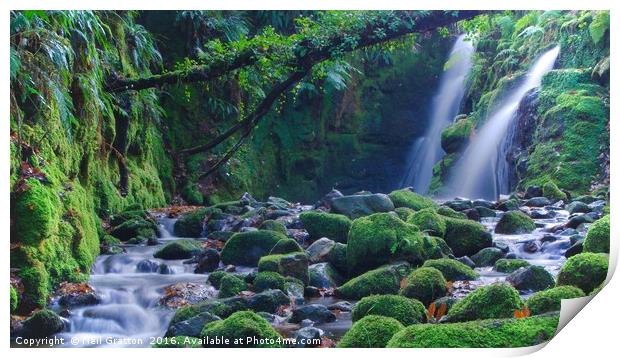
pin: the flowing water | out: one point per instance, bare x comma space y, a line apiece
480, 173
426, 151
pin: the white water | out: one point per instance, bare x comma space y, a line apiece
476, 173
426, 151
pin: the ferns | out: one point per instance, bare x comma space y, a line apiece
599, 26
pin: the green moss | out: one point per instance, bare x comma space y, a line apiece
452, 270
247, 248
320, 224
35, 213
285, 246
510, 265
550, 300
429, 221
381, 281
36, 283
409, 199
191, 224
404, 213
293, 264
273, 226
177, 250
425, 284
597, 238
370, 332
585, 271
381, 238
405, 310
215, 278
241, 325
552, 192
456, 137
515, 222
466, 237
268, 280
178, 342
231, 285
43, 323
492, 301
450, 213
14, 299
492, 333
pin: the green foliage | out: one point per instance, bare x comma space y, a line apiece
409, 199
425, 284
492, 301
452, 270
515, 222
599, 25
492, 333
36, 213
241, 325
597, 238
550, 300
510, 265
332, 226
370, 332
585, 271
14, 299
267, 280
405, 310
231, 285
247, 248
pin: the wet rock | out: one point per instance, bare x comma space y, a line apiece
578, 207
76, 294
483, 203
531, 278
208, 261
507, 205
342, 306
541, 214
177, 250
134, 228
485, 212
472, 214
568, 232
548, 238
355, 206
538, 202
327, 200
575, 249
269, 317
268, 301
575, 221
41, 324
315, 312
597, 206
191, 327
338, 257
247, 248
165, 269
487, 256
511, 255
323, 275
320, 249
147, 266
533, 191
308, 337
222, 236
295, 290
467, 261
459, 204
531, 246
183, 293
152, 241
311, 291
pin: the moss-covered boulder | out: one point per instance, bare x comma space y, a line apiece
14, 299
515, 222
268, 280
41, 324
429, 221
35, 213
492, 301
215, 278
452, 270
337, 257
550, 300
425, 284
487, 256
323, 275
597, 238
370, 332
409, 199
404, 213
585, 271
273, 225
242, 326
466, 237
407, 311
320, 224
285, 246
135, 228
355, 206
293, 265
231, 285
552, 192
509, 265
491, 333
247, 248
382, 238
380, 281
178, 249
450, 213
193, 223
456, 137
531, 278
178, 342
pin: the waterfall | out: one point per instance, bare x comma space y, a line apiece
481, 171
426, 151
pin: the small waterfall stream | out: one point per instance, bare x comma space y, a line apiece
479, 173
426, 151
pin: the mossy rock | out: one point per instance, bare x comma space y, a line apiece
487, 256
409, 199
178, 250
550, 300
404, 213
552, 192
370, 332
531, 278
36, 281
355, 206
135, 228
35, 213
293, 264
509, 265
429, 221
407, 311
118, 219
425, 284
491, 333
450, 213
337, 257
231, 285
247, 248
240, 326
42, 323
191, 224
585, 271
273, 226
320, 224
285, 246
597, 238
514, 223
14, 299
178, 342
268, 280
452, 270
456, 137
382, 238
492, 301
466, 237
380, 281
215, 278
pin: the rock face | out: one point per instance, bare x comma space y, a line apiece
323, 275
355, 206
208, 261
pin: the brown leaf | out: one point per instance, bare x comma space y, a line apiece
441, 311
430, 313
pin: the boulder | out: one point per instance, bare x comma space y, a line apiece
597, 238
466, 237
355, 206
459, 204
315, 312
533, 191
248, 247
320, 224
308, 337
452, 270
178, 250
551, 300
383, 280
285, 246
320, 250
407, 311
191, 327
293, 265
487, 256
407, 198
370, 332
323, 275
586, 271
208, 261
531, 278
425, 284
42, 324
577, 207
491, 301
429, 221
239, 326
268, 301
509, 265
538, 202
514, 223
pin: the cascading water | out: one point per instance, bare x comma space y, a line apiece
480, 173
426, 151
